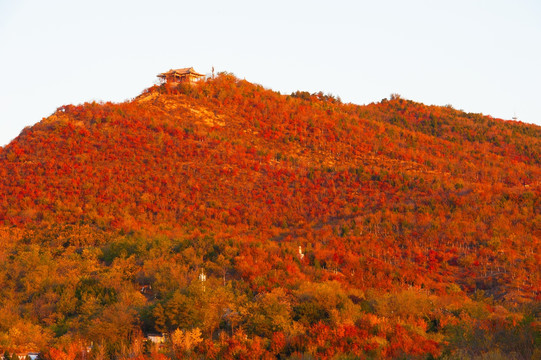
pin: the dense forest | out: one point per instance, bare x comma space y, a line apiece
235, 222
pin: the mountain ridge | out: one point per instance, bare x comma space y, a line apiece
412, 216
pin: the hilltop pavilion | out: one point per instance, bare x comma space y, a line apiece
188, 75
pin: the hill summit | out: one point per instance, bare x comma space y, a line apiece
237, 220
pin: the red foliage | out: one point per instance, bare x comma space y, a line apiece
390, 197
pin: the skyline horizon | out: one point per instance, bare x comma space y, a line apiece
478, 56
514, 118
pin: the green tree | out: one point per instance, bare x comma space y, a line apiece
269, 313
160, 320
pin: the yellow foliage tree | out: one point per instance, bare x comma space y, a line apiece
186, 340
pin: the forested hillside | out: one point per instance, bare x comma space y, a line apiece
243, 223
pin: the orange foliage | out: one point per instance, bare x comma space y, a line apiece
405, 213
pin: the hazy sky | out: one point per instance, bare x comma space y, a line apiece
480, 56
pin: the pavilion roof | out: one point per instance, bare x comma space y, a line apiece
180, 72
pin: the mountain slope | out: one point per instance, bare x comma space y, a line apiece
413, 221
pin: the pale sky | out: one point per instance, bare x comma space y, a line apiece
479, 56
